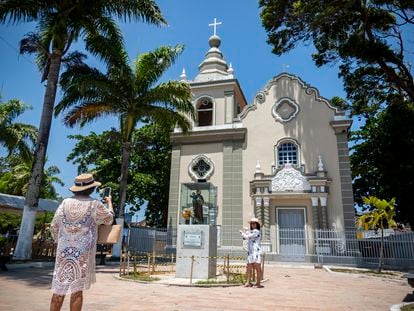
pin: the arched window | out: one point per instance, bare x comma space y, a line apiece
204, 112
287, 152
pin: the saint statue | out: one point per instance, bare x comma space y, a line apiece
198, 202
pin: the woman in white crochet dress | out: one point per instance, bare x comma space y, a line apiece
74, 228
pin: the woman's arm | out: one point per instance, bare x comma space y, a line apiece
54, 226
105, 215
253, 234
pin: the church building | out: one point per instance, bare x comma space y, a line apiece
283, 159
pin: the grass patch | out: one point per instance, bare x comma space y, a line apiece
383, 274
233, 279
409, 307
140, 277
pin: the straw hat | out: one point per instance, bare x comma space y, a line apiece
254, 219
83, 182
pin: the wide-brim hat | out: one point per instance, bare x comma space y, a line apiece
254, 219
83, 182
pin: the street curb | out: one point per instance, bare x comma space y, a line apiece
39, 264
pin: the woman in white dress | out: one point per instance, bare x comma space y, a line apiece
254, 252
74, 228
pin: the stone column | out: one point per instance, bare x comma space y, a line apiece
341, 128
229, 106
266, 217
173, 199
324, 212
315, 213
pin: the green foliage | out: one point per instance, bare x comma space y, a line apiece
139, 276
17, 138
149, 170
11, 221
367, 37
380, 215
58, 25
132, 95
15, 175
382, 162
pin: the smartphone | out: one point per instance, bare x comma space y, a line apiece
106, 192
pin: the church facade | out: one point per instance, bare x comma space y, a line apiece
283, 158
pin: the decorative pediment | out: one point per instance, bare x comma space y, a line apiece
289, 179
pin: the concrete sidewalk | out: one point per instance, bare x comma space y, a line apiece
287, 288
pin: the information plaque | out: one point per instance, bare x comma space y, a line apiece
192, 239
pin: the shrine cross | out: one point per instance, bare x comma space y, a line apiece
215, 24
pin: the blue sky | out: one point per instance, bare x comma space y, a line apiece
243, 44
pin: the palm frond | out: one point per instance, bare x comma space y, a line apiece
146, 10
175, 95
149, 67
16, 11
104, 39
86, 113
167, 118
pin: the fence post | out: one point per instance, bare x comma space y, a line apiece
149, 263
135, 266
153, 262
191, 271
120, 263
154, 244
228, 268
263, 261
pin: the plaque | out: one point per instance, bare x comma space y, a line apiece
192, 239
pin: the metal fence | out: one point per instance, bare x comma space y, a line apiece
348, 247
151, 240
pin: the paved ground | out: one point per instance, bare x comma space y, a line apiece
287, 288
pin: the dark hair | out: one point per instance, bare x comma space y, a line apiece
88, 191
257, 225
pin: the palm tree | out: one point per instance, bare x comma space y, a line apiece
59, 24
129, 93
380, 216
15, 181
17, 138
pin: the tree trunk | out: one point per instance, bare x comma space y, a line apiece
126, 153
24, 241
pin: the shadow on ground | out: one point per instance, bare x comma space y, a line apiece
409, 298
36, 277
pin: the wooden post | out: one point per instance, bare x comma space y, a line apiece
228, 268
149, 263
153, 262
135, 266
191, 271
154, 243
120, 264
263, 261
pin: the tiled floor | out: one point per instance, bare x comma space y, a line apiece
287, 288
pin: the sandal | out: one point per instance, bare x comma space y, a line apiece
248, 285
259, 286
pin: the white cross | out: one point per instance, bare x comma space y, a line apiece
215, 25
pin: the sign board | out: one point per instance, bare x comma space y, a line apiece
192, 239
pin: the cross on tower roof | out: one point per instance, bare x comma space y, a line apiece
215, 25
